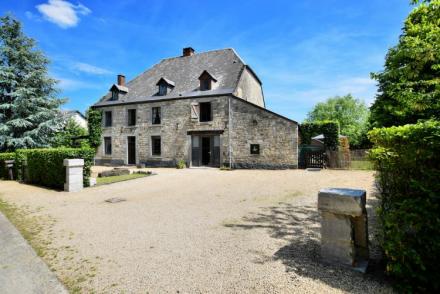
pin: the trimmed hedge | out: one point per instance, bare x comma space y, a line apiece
329, 129
45, 166
3, 157
408, 162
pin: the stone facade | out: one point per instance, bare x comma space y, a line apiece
212, 113
277, 136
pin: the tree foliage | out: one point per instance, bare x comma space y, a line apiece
351, 114
409, 85
29, 110
66, 137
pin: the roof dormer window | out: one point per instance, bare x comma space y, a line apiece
115, 94
165, 86
206, 81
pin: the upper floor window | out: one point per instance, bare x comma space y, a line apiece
206, 81
163, 89
155, 115
165, 86
108, 120
131, 117
205, 111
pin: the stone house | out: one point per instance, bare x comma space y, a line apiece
206, 109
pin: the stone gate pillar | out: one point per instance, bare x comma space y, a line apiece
344, 230
74, 175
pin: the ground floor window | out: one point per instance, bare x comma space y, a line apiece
156, 145
108, 145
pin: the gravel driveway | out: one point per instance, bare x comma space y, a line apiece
196, 231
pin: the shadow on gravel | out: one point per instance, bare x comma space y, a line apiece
300, 226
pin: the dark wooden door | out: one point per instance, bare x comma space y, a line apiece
131, 148
206, 151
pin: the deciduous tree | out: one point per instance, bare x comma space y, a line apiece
409, 85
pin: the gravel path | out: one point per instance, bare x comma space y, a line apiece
199, 231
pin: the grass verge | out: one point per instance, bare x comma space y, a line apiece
115, 179
361, 165
37, 230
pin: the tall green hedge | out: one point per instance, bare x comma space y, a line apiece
45, 166
329, 129
3, 157
408, 162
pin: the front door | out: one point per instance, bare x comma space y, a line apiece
205, 150
131, 148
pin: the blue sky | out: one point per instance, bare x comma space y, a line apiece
303, 51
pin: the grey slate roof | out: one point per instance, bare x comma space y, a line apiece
224, 64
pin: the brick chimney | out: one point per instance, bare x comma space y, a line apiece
121, 80
188, 51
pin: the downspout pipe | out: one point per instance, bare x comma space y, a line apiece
229, 131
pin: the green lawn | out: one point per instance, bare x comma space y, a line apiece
115, 179
361, 164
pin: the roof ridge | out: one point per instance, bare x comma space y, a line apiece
204, 52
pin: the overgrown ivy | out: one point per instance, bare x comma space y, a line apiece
94, 124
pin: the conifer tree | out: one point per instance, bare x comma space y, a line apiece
29, 109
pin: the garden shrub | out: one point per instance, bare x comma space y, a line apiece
408, 162
3, 170
46, 168
329, 129
181, 164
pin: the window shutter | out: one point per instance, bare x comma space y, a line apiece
195, 110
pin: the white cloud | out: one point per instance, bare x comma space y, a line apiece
62, 13
90, 69
67, 84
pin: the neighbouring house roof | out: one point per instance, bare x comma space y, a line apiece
321, 137
70, 113
225, 65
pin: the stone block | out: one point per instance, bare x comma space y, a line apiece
342, 201
73, 162
335, 227
340, 252
114, 172
92, 182
360, 226
74, 175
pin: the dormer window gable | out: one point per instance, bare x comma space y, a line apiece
116, 90
165, 86
206, 81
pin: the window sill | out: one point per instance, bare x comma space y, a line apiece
154, 125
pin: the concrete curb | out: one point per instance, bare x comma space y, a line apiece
21, 270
